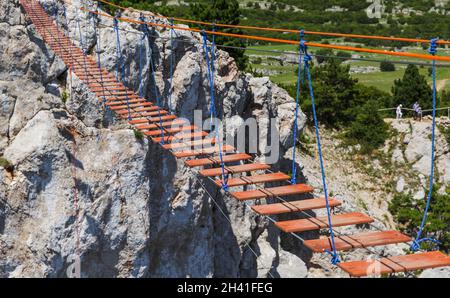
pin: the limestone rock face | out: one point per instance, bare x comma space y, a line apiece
436, 273
85, 188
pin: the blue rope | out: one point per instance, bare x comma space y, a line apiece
294, 167
99, 62
418, 240
146, 34
213, 58
307, 58
172, 62
141, 48
68, 33
82, 46
120, 63
213, 107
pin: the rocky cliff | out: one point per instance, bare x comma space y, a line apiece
79, 183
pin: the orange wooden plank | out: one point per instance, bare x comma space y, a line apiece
178, 123
142, 112
396, 264
318, 223
294, 206
106, 89
181, 146
157, 131
255, 179
133, 105
123, 103
272, 192
151, 119
204, 151
234, 169
357, 241
216, 160
181, 137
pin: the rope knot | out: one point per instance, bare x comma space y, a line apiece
415, 246
334, 257
433, 46
303, 46
307, 58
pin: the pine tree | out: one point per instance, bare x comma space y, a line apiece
224, 12
411, 88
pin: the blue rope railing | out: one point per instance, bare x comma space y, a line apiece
307, 58
172, 62
83, 46
146, 34
297, 108
213, 110
99, 61
120, 64
415, 246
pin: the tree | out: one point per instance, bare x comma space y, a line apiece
411, 88
225, 12
335, 93
409, 212
387, 66
444, 99
369, 130
323, 55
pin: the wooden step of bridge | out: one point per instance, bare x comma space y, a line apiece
142, 119
318, 223
294, 206
181, 137
192, 144
177, 123
396, 264
216, 160
252, 167
204, 151
133, 105
157, 132
362, 240
266, 193
255, 179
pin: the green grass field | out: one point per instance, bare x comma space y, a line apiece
382, 80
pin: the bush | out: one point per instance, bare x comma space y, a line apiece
138, 134
4, 163
257, 60
369, 130
446, 132
344, 56
408, 212
323, 55
387, 66
64, 96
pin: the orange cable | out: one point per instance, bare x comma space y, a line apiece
331, 34
285, 41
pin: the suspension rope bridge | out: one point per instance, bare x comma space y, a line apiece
221, 163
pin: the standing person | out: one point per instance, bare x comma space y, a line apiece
415, 109
399, 112
419, 113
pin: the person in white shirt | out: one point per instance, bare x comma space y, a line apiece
399, 112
